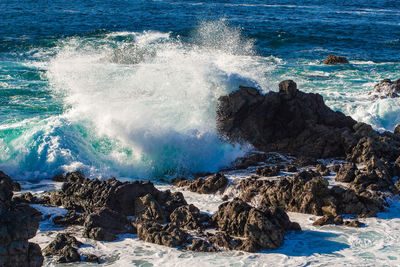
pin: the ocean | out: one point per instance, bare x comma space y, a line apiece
129, 89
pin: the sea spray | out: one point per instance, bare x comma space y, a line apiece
139, 105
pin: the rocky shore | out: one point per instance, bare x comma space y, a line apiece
309, 159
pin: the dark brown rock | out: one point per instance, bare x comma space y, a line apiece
346, 173
387, 88
167, 235
288, 122
207, 185
353, 223
188, 217
105, 224
201, 245
261, 229
18, 224
335, 60
71, 218
268, 171
65, 246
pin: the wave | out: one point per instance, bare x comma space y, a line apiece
138, 105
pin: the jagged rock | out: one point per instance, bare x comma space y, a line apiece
308, 192
91, 258
334, 168
188, 217
329, 219
346, 173
65, 246
201, 245
208, 185
105, 224
397, 129
167, 235
25, 198
334, 60
322, 169
88, 195
291, 168
223, 240
387, 88
251, 159
148, 209
353, 223
268, 171
71, 218
261, 229
290, 121
18, 223
376, 177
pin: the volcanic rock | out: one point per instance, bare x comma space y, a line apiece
167, 235
71, 218
346, 173
188, 217
65, 247
260, 228
287, 122
387, 88
334, 60
207, 185
18, 223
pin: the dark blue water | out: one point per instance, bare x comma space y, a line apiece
129, 88
363, 30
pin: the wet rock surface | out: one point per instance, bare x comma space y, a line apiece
308, 192
386, 88
289, 121
335, 60
206, 185
18, 222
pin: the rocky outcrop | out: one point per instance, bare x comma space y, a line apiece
189, 217
65, 248
167, 235
386, 88
289, 121
308, 192
106, 224
18, 223
207, 185
346, 173
335, 60
71, 218
261, 229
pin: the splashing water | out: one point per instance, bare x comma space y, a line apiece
140, 104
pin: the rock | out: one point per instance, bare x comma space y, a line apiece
208, 185
223, 240
105, 224
25, 198
346, 173
148, 209
88, 195
225, 198
261, 229
334, 60
334, 168
397, 129
59, 178
322, 169
65, 247
328, 219
250, 159
91, 258
201, 245
387, 88
71, 218
291, 168
167, 235
189, 217
307, 192
290, 121
353, 223
268, 171
18, 224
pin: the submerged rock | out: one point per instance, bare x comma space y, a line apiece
19, 223
335, 60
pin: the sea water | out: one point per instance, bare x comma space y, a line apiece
130, 89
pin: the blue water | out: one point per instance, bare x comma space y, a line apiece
129, 88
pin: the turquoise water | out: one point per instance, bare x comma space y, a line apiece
129, 88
